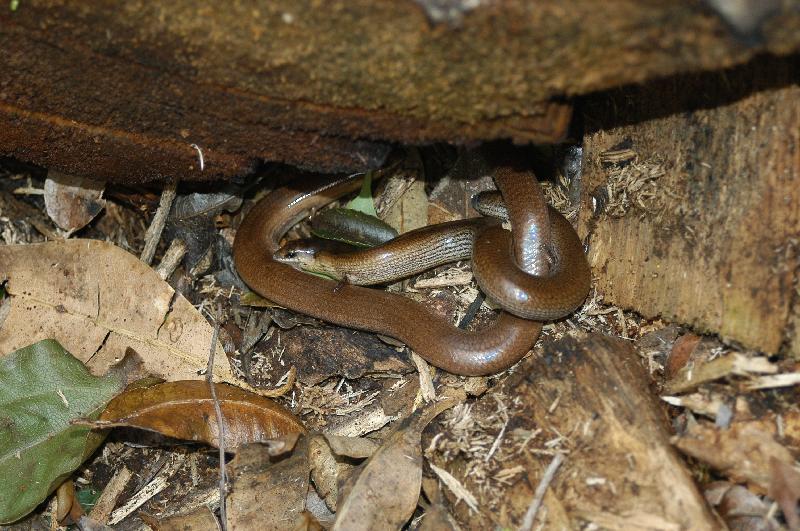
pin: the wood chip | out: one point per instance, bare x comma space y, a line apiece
456, 487
108, 499
689, 378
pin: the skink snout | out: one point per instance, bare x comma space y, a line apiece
296, 252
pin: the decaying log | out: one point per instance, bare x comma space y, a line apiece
123, 92
589, 396
695, 216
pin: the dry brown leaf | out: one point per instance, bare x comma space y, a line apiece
330, 457
352, 353
741, 452
326, 470
266, 495
679, 355
410, 211
72, 201
740, 508
200, 519
68, 511
185, 410
355, 447
96, 300
785, 489
384, 491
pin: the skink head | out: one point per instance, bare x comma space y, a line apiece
298, 253
308, 254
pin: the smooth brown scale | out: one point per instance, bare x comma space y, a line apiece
486, 351
559, 288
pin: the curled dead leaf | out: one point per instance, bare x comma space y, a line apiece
72, 201
383, 492
68, 510
185, 410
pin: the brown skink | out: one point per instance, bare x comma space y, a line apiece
409, 254
485, 351
558, 285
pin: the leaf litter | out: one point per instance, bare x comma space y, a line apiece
485, 437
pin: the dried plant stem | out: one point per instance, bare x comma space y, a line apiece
538, 496
220, 420
153, 234
172, 257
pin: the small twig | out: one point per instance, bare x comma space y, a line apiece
538, 495
28, 190
172, 257
153, 234
159, 483
456, 487
472, 310
220, 420
108, 499
496, 443
426, 388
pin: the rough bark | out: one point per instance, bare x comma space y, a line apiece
694, 215
590, 394
121, 91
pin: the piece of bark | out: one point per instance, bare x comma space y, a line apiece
590, 392
699, 222
743, 452
320, 352
295, 82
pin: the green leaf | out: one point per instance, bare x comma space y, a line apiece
364, 202
42, 389
88, 497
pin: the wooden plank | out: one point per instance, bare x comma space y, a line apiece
695, 216
122, 92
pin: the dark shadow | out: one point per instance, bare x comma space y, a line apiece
684, 93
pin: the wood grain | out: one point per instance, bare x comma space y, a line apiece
589, 396
691, 201
122, 93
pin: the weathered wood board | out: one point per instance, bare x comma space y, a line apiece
691, 201
124, 91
